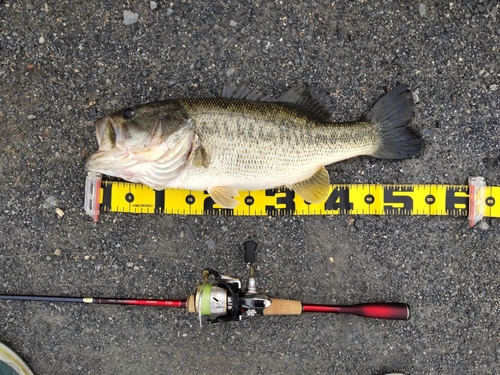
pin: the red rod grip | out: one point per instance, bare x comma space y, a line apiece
396, 311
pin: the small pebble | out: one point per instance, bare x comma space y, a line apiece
233, 23
210, 244
359, 224
42, 15
136, 268
494, 87
153, 5
30, 7
31, 117
265, 46
57, 252
493, 104
129, 17
169, 11
198, 63
130, 264
59, 213
230, 72
422, 10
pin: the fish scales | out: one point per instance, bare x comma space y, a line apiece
247, 139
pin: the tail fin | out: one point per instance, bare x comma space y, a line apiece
391, 115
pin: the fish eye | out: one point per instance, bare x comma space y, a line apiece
128, 113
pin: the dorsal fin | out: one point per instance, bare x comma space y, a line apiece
301, 98
231, 91
307, 101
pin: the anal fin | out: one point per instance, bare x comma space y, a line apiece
315, 188
224, 196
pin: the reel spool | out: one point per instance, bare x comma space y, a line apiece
218, 300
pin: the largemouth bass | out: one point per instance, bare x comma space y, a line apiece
244, 141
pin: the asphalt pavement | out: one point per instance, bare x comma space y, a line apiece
63, 64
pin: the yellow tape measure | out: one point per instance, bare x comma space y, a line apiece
355, 199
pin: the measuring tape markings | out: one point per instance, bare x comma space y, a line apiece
492, 209
358, 199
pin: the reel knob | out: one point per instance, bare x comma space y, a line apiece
250, 248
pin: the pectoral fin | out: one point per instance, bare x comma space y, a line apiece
315, 188
201, 157
224, 196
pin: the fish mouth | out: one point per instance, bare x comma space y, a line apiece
109, 138
154, 165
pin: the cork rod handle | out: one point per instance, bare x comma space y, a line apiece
283, 307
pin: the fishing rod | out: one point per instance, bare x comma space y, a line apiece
221, 299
